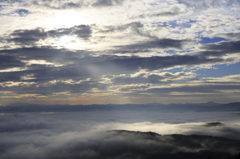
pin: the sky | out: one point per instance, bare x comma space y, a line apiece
119, 51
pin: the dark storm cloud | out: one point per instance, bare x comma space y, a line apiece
30, 37
43, 73
11, 76
61, 5
81, 31
68, 5
114, 65
46, 74
110, 63
106, 3
220, 49
43, 53
82, 66
172, 12
229, 35
7, 62
84, 32
151, 63
202, 4
53, 4
26, 37
156, 43
148, 45
135, 26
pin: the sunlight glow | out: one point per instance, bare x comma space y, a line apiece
66, 40
67, 19
69, 42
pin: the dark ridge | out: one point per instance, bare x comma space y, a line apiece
177, 136
213, 124
200, 107
139, 133
168, 146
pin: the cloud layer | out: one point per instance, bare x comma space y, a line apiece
111, 51
90, 135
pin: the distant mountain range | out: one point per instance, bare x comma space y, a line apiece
211, 106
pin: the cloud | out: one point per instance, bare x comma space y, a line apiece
81, 31
197, 88
232, 35
52, 68
202, 4
126, 144
47, 135
104, 54
134, 26
117, 63
173, 12
53, 4
157, 43
26, 37
106, 3
30, 37
7, 62
73, 4
52, 87
221, 48
166, 77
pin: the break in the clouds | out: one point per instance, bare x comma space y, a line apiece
115, 51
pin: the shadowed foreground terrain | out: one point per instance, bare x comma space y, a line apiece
152, 145
121, 144
118, 133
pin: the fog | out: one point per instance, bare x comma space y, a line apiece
89, 134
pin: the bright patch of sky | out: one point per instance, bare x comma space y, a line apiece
206, 40
219, 71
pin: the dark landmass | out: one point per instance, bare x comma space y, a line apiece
150, 145
121, 144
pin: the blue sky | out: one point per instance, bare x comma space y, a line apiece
100, 52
